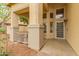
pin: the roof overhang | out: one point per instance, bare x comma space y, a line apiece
26, 10
22, 11
45, 7
10, 4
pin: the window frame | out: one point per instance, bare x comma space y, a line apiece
63, 16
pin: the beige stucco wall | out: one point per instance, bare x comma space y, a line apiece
73, 26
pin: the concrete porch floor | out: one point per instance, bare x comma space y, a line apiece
56, 47
51, 48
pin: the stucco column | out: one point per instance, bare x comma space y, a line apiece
48, 26
14, 26
35, 28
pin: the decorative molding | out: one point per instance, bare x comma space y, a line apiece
8, 24
36, 26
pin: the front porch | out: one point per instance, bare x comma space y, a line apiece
58, 48
52, 48
48, 35
42, 20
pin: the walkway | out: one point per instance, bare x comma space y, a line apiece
58, 48
20, 49
51, 48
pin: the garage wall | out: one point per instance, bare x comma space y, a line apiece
73, 26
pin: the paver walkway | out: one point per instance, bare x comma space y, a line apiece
20, 49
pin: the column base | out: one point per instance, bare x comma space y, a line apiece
35, 36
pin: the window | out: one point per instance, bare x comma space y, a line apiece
51, 27
44, 28
59, 13
44, 15
51, 15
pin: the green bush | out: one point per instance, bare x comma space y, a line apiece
23, 19
2, 29
4, 54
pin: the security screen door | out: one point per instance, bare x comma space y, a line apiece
59, 24
60, 30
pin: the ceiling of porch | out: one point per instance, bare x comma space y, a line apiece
26, 10
46, 7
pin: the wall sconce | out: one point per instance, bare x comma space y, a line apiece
65, 20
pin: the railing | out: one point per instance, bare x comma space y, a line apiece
21, 37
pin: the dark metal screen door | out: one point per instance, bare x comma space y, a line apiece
60, 30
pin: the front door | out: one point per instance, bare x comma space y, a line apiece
59, 23
60, 30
